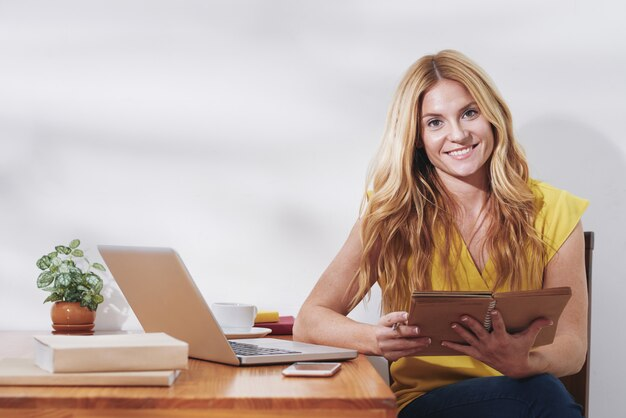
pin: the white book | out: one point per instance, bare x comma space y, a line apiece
24, 372
111, 352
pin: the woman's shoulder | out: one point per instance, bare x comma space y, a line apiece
559, 212
554, 198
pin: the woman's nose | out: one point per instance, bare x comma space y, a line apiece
457, 133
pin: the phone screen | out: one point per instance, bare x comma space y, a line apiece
312, 369
315, 366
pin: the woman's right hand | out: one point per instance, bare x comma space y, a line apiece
398, 341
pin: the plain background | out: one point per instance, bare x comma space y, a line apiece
240, 132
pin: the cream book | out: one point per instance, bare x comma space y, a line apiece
111, 352
24, 372
434, 313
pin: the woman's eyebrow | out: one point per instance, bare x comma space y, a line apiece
472, 104
461, 110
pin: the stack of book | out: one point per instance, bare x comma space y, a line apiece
152, 359
280, 325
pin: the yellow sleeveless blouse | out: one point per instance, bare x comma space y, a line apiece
414, 376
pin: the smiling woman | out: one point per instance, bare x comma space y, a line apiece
451, 206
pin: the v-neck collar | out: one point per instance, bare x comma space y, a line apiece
476, 277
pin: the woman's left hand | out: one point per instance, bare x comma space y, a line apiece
507, 353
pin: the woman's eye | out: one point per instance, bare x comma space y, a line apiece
470, 113
434, 123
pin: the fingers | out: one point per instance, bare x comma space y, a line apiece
477, 329
407, 331
411, 347
393, 318
465, 334
396, 339
497, 322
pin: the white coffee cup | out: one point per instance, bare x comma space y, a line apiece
234, 317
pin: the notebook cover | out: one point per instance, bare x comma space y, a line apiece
434, 312
520, 309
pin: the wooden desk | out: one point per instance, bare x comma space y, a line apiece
206, 390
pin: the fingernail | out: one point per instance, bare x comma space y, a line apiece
429, 341
551, 323
453, 326
464, 318
443, 344
417, 330
405, 316
494, 313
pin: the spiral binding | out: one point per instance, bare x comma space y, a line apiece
487, 321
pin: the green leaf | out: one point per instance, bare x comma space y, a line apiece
53, 298
53, 254
97, 299
64, 279
98, 266
63, 268
82, 288
72, 295
76, 275
78, 253
63, 249
93, 279
98, 287
44, 262
56, 261
74, 244
45, 279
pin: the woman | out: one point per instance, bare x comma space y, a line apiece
450, 206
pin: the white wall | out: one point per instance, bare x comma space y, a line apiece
239, 132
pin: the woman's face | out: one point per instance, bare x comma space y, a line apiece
458, 139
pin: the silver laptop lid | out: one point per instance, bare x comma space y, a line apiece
164, 298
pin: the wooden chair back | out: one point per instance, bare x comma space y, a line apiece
578, 384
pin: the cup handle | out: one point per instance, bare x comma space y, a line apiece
255, 312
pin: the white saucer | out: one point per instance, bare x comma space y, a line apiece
254, 332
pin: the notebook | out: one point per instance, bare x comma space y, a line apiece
164, 297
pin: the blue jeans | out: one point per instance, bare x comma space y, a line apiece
539, 396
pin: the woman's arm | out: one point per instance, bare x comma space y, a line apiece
567, 268
322, 318
512, 354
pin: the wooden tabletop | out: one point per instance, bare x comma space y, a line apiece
207, 389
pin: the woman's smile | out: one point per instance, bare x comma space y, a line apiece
462, 153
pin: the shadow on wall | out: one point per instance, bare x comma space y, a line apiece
576, 157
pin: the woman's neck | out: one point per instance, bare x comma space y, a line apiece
470, 193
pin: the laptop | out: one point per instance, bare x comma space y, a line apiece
164, 298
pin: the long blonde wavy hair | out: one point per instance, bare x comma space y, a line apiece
409, 215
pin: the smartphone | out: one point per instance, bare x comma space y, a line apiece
316, 369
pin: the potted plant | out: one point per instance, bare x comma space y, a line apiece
73, 285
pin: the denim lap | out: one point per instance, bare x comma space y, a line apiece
500, 396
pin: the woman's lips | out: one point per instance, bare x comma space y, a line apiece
461, 153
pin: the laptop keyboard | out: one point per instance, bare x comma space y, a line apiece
244, 349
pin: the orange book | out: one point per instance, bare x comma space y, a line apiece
434, 313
